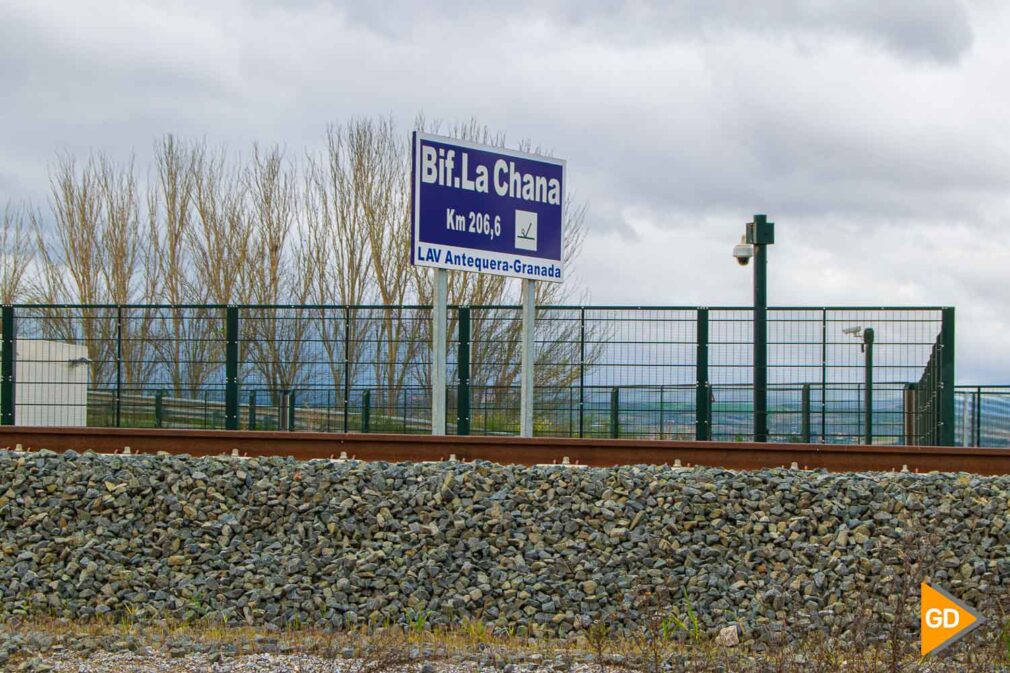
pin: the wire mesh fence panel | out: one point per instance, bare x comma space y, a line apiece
392, 353
992, 418
581, 355
286, 361
494, 348
648, 356
931, 400
731, 349
829, 353
901, 344
563, 351
334, 369
818, 361
982, 416
632, 372
648, 412
120, 366
795, 359
494, 410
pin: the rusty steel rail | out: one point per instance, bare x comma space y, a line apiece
512, 450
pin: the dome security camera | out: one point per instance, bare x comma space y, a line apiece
743, 251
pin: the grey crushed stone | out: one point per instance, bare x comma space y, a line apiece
544, 551
154, 662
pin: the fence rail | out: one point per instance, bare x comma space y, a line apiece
982, 416
651, 372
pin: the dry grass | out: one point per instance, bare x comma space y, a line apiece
658, 648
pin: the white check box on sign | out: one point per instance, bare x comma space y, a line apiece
526, 230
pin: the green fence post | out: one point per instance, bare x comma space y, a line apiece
463, 369
159, 408
947, 377
282, 411
366, 410
231, 369
7, 366
805, 413
977, 420
824, 374
347, 368
582, 371
702, 399
291, 411
615, 412
662, 417
570, 411
119, 365
868, 382
252, 409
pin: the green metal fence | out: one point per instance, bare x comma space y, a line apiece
982, 416
601, 371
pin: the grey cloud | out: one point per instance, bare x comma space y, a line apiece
938, 30
9, 188
856, 125
935, 30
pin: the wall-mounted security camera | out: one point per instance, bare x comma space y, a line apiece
852, 331
743, 251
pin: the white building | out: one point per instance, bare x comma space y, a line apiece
51, 383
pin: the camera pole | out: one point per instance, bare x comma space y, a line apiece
760, 234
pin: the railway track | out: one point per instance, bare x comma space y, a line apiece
512, 450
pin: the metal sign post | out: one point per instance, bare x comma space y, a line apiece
489, 210
526, 370
439, 323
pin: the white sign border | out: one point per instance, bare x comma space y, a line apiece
415, 242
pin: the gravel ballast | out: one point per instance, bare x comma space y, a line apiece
543, 551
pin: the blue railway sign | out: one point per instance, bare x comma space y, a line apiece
484, 209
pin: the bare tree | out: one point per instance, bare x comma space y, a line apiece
95, 251
71, 261
186, 345
220, 241
170, 210
220, 253
125, 248
382, 185
276, 334
262, 232
338, 250
69, 250
18, 252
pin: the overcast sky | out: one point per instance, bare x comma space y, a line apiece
875, 134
